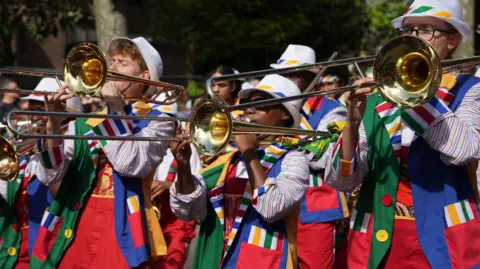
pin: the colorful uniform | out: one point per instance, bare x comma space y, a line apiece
241, 227
100, 211
177, 233
417, 207
322, 206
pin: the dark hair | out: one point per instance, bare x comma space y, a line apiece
227, 70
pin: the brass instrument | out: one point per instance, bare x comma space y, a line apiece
86, 71
407, 72
211, 129
10, 153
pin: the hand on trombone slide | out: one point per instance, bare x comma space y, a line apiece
181, 150
356, 100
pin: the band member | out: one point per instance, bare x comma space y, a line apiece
417, 207
23, 197
322, 206
100, 217
333, 78
246, 200
177, 233
226, 90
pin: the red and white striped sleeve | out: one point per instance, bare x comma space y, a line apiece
456, 135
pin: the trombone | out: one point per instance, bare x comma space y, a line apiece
407, 73
86, 71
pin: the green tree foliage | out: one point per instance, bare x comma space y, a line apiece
251, 34
40, 18
380, 15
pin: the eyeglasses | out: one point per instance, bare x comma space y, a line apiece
427, 33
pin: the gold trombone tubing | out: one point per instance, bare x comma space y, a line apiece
407, 72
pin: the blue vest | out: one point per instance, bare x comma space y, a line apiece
241, 251
318, 194
435, 186
39, 198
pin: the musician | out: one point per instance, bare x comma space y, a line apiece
322, 207
333, 78
252, 192
9, 99
24, 198
99, 210
420, 211
177, 233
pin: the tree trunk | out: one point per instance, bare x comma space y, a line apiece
110, 20
467, 48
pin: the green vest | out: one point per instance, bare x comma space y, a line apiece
76, 184
378, 182
10, 233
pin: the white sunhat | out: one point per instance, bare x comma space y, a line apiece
296, 55
449, 11
278, 86
149, 54
51, 85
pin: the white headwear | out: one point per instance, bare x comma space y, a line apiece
51, 85
150, 56
296, 55
449, 11
278, 86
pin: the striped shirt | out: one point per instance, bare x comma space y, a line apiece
128, 158
455, 135
280, 199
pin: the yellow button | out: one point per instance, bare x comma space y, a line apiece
68, 233
382, 236
12, 251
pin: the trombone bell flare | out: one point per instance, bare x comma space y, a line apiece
9, 166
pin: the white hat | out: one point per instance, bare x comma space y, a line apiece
449, 11
278, 86
51, 85
296, 55
150, 56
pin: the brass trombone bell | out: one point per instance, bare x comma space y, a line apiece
10, 153
86, 71
406, 71
211, 129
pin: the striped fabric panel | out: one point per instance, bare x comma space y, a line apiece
49, 221
172, 171
110, 127
459, 212
52, 157
392, 119
265, 239
22, 166
133, 204
242, 209
345, 168
360, 221
421, 117
217, 197
316, 180
460, 144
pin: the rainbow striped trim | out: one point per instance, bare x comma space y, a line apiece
428, 11
392, 118
22, 166
49, 221
133, 204
110, 127
345, 167
52, 157
172, 171
242, 209
316, 180
360, 221
217, 199
265, 239
421, 117
272, 154
328, 79
459, 212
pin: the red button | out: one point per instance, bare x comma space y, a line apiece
386, 200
